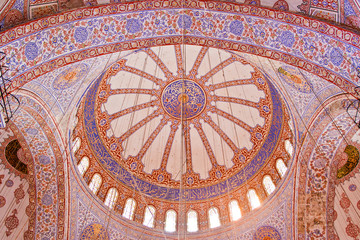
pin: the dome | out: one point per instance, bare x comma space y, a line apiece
180, 119
183, 123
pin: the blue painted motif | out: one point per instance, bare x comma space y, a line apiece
133, 26
47, 200
172, 194
70, 76
183, 99
43, 159
94, 231
287, 38
236, 27
81, 34
336, 57
31, 51
184, 21
267, 232
348, 10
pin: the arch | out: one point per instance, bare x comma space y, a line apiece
253, 199
268, 184
289, 147
76, 145
149, 217
192, 221
129, 209
111, 197
170, 221
95, 183
83, 165
281, 167
234, 209
289, 57
11, 155
214, 217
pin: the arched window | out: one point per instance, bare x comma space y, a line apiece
214, 218
253, 199
268, 184
83, 165
235, 213
149, 217
76, 145
281, 167
111, 197
95, 183
170, 221
192, 221
289, 147
129, 208
12, 153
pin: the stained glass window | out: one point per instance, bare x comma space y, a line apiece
289, 147
129, 208
170, 221
235, 213
95, 183
253, 199
268, 184
111, 197
192, 221
214, 217
149, 217
83, 165
281, 167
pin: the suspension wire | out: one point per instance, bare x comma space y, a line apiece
185, 134
64, 152
126, 147
306, 127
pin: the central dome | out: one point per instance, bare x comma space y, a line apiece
160, 123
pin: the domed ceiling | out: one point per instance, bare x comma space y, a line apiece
182, 118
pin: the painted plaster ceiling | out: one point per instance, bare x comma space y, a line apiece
182, 116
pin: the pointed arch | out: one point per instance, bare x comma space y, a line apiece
76, 145
192, 221
83, 165
170, 221
281, 167
234, 209
214, 217
95, 183
268, 184
253, 199
149, 217
111, 197
129, 209
289, 147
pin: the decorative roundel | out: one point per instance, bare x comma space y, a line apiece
150, 123
94, 231
70, 76
267, 232
183, 99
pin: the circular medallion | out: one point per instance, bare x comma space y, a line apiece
183, 99
70, 76
94, 231
267, 232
